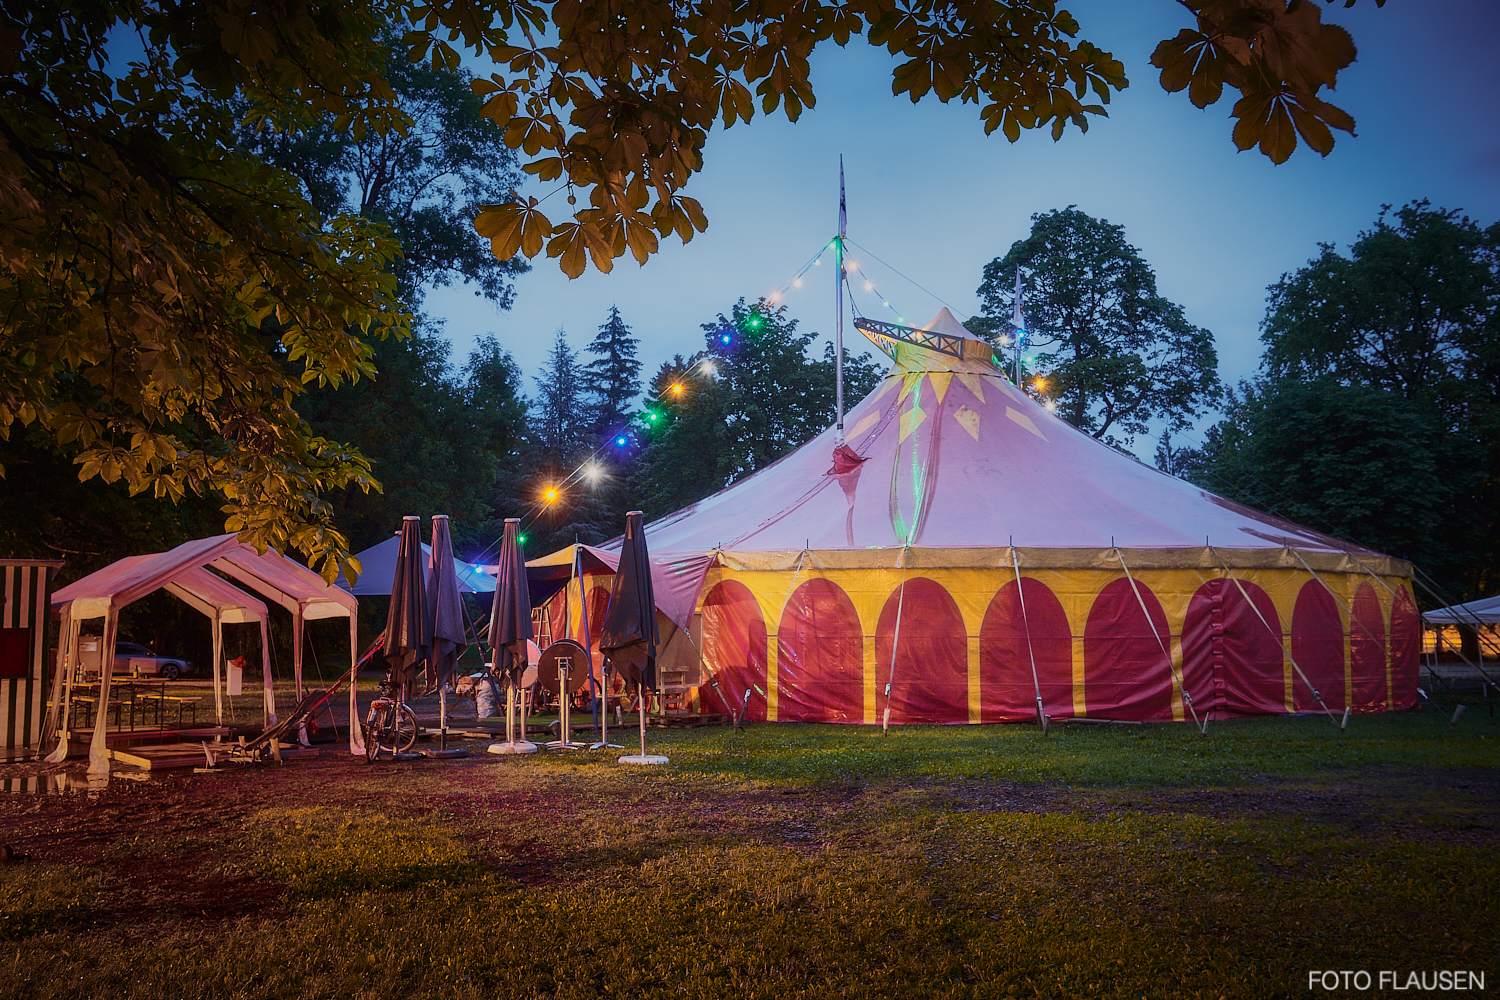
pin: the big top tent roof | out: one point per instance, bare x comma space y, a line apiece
956, 457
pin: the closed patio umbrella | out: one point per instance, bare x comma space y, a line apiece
407, 640
510, 630
445, 618
629, 635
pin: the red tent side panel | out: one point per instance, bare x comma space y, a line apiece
1232, 661
1126, 674
1406, 646
1008, 641
734, 644
598, 604
820, 657
1318, 648
1367, 651
930, 682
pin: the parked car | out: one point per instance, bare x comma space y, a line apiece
133, 658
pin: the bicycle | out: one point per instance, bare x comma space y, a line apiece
389, 725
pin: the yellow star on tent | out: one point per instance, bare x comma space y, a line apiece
969, 419
1024, 421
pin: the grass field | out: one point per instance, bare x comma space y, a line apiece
782, 861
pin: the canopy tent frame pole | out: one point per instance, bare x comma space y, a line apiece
268, 692
1041, 715
1177, 676
600, 716
356, 731
98, 750
299, 629
796, 573
59, 713
218, 639
1280, 639
885, 724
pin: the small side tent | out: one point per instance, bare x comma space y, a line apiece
183, 572
563, 598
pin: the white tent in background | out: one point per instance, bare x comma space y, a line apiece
1482, 612
378, 570
182, 571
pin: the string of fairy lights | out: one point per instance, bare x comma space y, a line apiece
653, 415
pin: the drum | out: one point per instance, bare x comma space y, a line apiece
547, 672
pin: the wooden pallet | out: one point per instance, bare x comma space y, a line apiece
177, 756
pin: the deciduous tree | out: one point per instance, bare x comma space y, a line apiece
1410, 312
616, 102
1110, 351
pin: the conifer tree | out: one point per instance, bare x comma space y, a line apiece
613, 378
561, 417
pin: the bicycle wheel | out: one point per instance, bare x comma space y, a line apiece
405, 730
375, 733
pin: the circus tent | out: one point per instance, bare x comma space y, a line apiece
967, 555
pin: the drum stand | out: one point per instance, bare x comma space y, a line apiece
511, 744
564, 709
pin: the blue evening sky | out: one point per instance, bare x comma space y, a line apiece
936, 199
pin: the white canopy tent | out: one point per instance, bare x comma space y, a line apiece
1482, 612
182, 572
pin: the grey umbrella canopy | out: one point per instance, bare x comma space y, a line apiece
445, 613
407, 640
629, 635
510, 615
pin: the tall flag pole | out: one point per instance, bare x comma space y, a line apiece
838, 298
1019, 322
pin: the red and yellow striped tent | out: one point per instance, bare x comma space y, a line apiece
970, 556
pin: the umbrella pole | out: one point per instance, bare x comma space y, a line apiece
442, 718
510, 713
641, 704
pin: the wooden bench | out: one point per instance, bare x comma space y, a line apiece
148, 698
91, 702
182, 702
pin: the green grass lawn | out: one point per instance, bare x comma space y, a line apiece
782, 861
